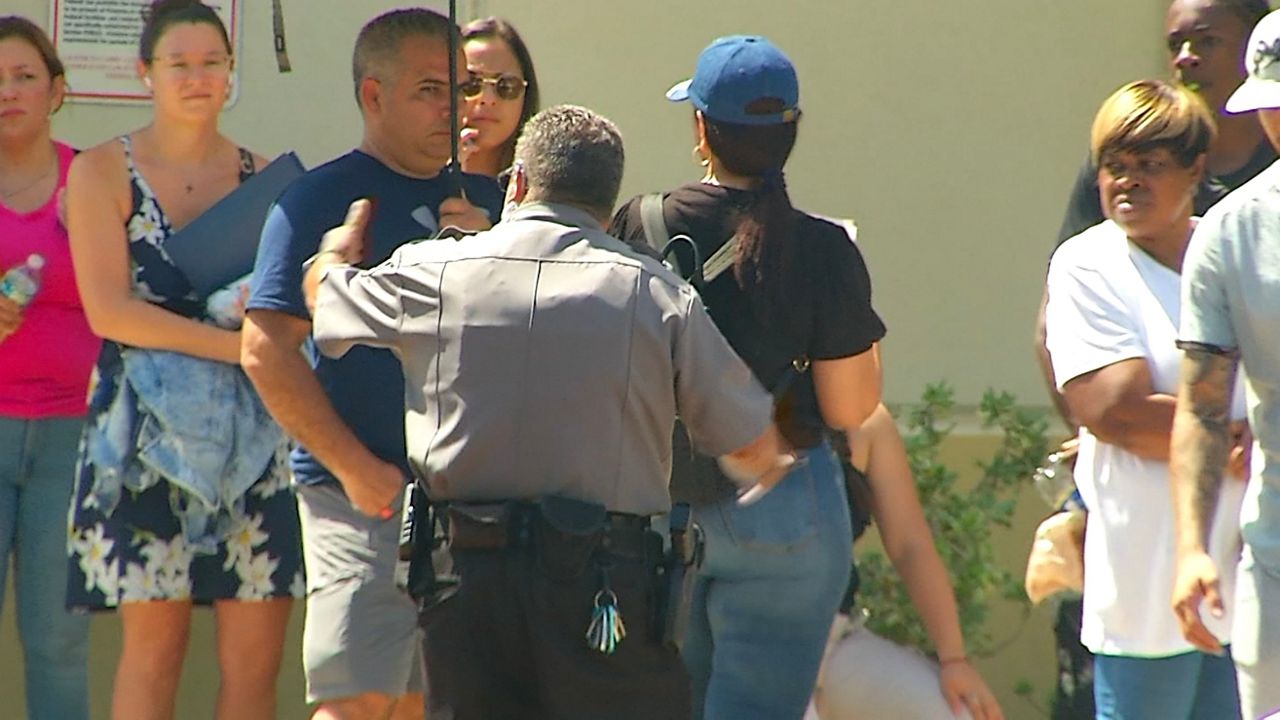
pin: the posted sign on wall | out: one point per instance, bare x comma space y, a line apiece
98, 42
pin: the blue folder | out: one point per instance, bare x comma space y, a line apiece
220, 245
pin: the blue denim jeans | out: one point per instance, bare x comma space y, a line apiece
37, 470
1189, 686
773, 576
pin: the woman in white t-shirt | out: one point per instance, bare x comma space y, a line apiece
1112, 320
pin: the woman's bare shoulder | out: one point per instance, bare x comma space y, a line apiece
103, 160
100, 173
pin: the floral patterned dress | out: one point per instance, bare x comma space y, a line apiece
137, 552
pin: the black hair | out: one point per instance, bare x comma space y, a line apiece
160, 15
379, 40
1249, 11
494, 27
765, 264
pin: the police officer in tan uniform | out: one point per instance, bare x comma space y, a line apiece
545, 363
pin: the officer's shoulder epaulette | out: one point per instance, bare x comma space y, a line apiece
451, 232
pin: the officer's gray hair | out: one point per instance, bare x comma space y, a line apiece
574, 155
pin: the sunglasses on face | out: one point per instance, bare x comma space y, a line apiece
508, 87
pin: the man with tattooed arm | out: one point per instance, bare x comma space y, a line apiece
1231, 319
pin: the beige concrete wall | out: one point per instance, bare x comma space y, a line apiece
950, 131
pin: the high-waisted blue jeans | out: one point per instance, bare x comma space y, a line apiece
773, 576
37, 470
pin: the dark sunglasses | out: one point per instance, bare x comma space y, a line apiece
508, 87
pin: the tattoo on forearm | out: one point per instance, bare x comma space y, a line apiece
1202, 440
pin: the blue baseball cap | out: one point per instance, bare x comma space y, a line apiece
743, 79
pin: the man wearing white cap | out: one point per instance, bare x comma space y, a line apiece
1231, 317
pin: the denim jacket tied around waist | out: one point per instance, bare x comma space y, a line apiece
198, 424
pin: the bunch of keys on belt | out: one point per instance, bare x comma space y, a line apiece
606, 630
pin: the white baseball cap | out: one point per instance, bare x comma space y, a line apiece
1262, 56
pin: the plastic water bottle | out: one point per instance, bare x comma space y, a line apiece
21, 282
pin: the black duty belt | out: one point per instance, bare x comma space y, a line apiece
570, 540
520, 524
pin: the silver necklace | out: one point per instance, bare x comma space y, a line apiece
7, 194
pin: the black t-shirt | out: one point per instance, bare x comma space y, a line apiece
1084, 207
837, 294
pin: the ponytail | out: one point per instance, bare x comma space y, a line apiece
765, 265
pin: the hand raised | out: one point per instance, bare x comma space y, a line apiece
348, 240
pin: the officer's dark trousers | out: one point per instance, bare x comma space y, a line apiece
511, 644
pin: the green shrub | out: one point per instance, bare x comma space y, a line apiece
962, 519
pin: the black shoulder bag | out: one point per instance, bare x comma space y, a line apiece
694, 475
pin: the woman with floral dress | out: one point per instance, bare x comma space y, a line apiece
143, 539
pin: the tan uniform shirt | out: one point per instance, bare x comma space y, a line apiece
545, 357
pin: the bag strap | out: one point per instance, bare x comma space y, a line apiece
655, 227
798, 367
247, 168
720, 260
660, 240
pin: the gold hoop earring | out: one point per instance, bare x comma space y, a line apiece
699, 158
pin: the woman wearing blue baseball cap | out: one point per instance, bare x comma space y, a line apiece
795, 302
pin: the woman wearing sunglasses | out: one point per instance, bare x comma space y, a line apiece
798, 298
500, 96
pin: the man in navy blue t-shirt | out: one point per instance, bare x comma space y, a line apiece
361, 651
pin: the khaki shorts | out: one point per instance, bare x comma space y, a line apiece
361, 632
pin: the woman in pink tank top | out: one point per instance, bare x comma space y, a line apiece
46, 355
